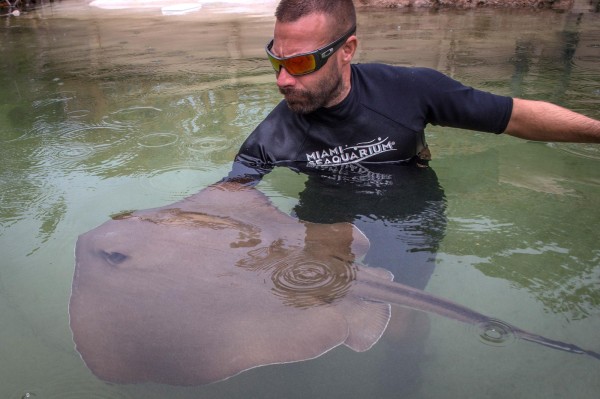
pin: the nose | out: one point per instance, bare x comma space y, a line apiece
284, 79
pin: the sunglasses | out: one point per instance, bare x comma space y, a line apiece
303, 64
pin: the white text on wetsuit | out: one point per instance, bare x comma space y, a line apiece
344, 155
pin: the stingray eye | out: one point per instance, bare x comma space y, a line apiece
114, 258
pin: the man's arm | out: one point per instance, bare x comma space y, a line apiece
542, 121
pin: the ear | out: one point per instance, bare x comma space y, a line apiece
349, 49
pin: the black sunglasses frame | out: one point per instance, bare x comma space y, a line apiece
320, 55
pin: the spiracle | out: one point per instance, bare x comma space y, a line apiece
302, 282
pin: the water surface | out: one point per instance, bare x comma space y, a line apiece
105, 111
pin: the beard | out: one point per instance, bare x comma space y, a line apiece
304, 101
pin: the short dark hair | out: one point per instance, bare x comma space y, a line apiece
342, 11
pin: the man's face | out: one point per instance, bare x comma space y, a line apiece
322, 88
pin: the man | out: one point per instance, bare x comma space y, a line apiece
337, 114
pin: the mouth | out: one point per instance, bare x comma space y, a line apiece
293, 95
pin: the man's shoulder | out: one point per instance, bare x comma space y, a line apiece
388, 87
378, 79
378, 70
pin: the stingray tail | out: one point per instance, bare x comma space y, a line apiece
563, 346
409, 297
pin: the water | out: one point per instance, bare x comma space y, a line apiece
105, 111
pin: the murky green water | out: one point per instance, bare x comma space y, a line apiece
105, 111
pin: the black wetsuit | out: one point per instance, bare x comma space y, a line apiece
360, 158
382, 119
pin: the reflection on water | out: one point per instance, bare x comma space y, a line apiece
106, 111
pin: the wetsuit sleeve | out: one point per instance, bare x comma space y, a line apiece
245, 172
453, 104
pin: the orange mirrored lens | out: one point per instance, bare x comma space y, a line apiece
299, 65
276, 63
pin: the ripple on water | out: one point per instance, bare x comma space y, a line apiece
590, 151
208, 145
62, 158
94, 136
73, 381
74, 152
177, 180
71, 390
495, 333
133, 116
29, 393
302, 282
155, 140
77, 146
78, 114
306, 283
479, 224
55, 98
8, 135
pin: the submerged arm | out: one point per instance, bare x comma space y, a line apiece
542, 121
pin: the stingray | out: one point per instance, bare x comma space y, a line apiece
222, 282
